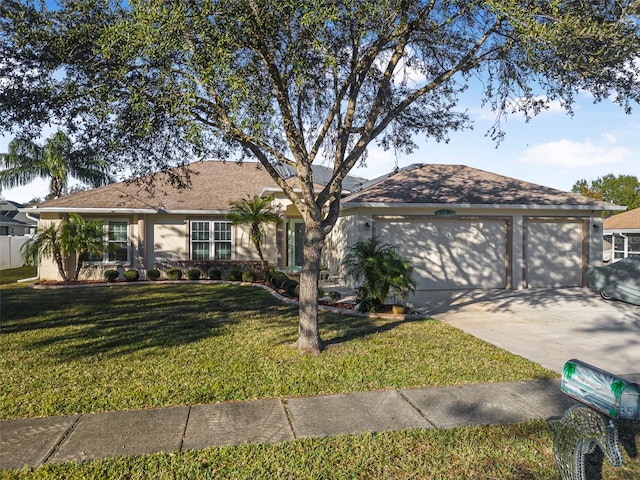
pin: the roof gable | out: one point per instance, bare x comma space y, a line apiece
462, 185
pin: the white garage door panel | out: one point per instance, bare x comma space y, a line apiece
451, 254
553, 254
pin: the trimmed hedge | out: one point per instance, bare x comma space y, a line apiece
174, 274
194, 274
153, 274
249, 276
131, 275
111, 275
235, 275
214, 274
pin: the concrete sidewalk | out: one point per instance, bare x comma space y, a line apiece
38, 441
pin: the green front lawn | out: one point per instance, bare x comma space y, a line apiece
12, 275
81, 350
133, 346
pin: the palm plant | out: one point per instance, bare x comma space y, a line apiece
378, 269
82, 236
254, 212
57, 160
58, 241
46, 243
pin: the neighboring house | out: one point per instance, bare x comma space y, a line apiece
461, 227
13, 221
622, 235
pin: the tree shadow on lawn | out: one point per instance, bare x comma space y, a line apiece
352, 328
84, 322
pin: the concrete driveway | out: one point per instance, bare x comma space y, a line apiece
547, 326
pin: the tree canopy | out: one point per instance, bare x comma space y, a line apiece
618, 189
152, 83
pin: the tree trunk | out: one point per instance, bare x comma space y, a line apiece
79, 263
59, 263
309, 340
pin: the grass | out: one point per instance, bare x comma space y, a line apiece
508, 452
135, 346
12, 275
139, 346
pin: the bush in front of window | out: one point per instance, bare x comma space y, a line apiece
214, 274
153, 274
131, 275
174, 274
111, 275
249, 276
235, 275
194, 274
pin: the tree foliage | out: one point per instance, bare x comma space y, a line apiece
618, 189
56, 160
152, 83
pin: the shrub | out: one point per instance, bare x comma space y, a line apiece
379, 270
131, 275
153, 274
174, 274
249, 276
194, 274
214, 274
335, 296
111, 275
296, 291
290, 287
279, 279
235, 275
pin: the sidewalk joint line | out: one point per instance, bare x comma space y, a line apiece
415, 407
60, 441
283, 402
184, 431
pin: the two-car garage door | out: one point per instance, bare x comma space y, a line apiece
477, 253
449, 254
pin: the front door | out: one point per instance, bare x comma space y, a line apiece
296, 245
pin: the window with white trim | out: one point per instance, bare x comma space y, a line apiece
211, 240
116, 244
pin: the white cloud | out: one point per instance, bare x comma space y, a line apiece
567, 153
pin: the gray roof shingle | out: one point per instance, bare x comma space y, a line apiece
462, 185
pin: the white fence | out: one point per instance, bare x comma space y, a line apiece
10, 256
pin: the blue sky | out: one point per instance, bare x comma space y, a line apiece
553, 149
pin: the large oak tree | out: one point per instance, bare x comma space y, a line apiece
152, 82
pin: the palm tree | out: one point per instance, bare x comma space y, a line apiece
58, 241
46, 243
83, 237
27, 161
254, 212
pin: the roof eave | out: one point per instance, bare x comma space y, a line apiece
500, 206
129, 211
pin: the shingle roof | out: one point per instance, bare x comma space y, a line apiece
213, 185
462, 185
626, 220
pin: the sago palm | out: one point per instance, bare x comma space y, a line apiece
378, 269
57, 161
254, 212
